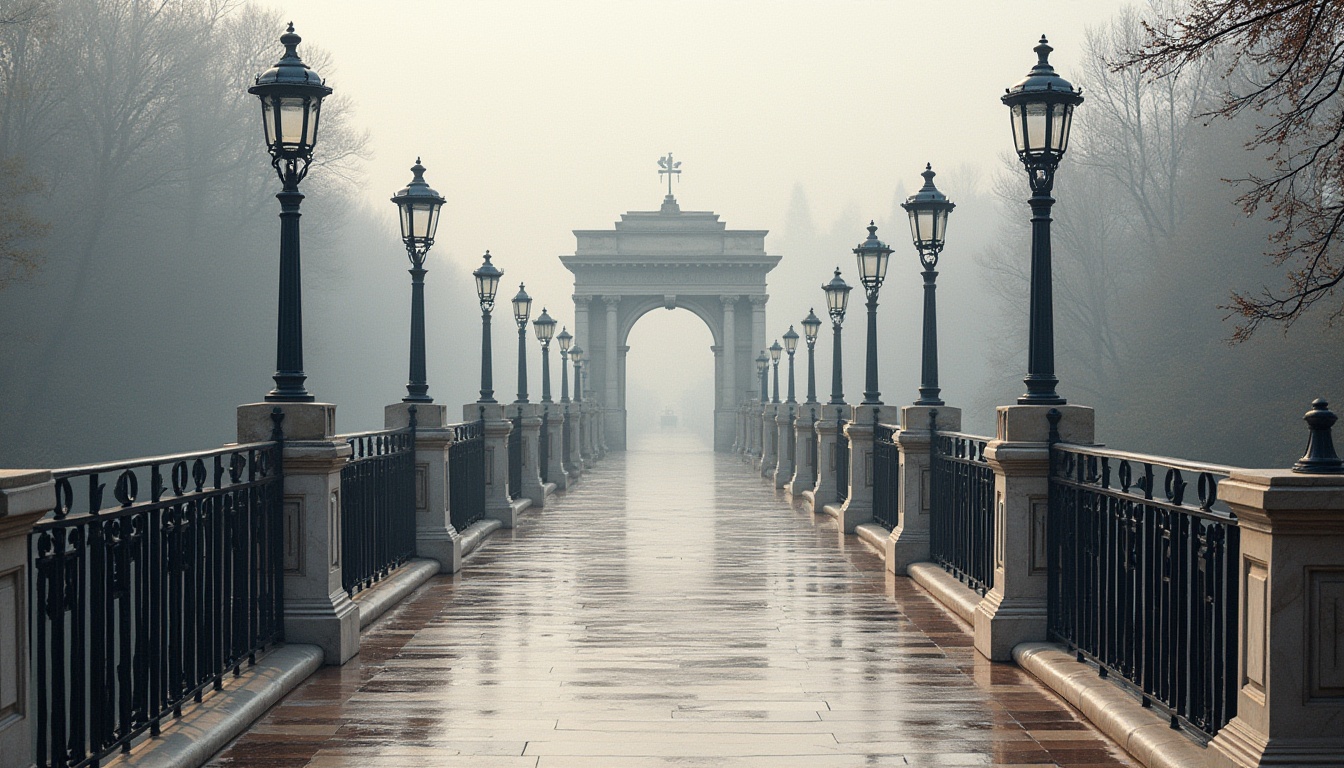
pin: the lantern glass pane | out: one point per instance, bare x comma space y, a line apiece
421, 216
310, 135
833, 301
433, 227
292, 122
790, 343
1036, 124
486, 287
940, 226
405, 221
1016, 120
268, 120
1065, 123
521, 309
927, 234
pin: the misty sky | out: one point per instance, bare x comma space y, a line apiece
537, 118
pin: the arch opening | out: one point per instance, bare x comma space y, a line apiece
669, 376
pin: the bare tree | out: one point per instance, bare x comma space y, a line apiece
1284, 63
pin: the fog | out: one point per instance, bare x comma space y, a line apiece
150, 313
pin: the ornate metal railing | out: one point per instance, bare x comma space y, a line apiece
886, 476
544, 448
146, 594
466, 474
377, 506
842, 461
1143, 577
961, 508
516, 458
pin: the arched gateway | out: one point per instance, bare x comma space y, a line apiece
670, 258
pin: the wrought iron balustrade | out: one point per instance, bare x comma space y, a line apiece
147, 593
886, 476
466, 474
1143, 577
961, 508
516, 459
842, 461
377, 506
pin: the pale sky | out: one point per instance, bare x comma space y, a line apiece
537, 118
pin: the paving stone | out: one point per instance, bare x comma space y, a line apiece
673, 609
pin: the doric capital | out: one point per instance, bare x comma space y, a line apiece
758, 301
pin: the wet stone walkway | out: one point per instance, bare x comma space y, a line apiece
670, 611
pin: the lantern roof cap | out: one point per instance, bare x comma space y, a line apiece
837, 283
1042, 83
290, 71
928, 195
418, 190
488, 268
871, 244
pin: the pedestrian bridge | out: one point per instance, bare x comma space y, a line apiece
670, 610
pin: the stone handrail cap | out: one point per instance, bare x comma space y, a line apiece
21, 478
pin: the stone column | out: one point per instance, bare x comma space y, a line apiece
317, 609
26, 495
498, 505
784, 440
909, 540
758, 321
610, 397
532, 489
1014, 610
828, 426
435, 536
1290, 628
858, 507
555, 449
769, 440
582, 330
804, 433
729, 386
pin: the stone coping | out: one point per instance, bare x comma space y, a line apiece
875, 536
946, 589
204, 729
1141, 732
392, 589
477, 533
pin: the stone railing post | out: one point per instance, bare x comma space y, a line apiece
26, 495
435, 536
858, 506
530, 416
749, 450
317, 609
784, 441
827, 488
1014, 610
769, 440
555, 449
575, 418
804, 433
909, 540
1290, 624
498, 505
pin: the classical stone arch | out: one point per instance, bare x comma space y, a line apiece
670, 258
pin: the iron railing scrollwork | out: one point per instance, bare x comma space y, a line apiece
886, 476
961, 508
377, 506
147, 596
1143, 578
516, 459
466, 475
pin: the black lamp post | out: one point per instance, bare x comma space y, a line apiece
522, 309
419, 206
791, 346
1041, 106
565, 340
811, 325
928, 209
545, 328
762, 365
576, 356
291, 102
873, 255
837, 300
487, 285
775, 351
